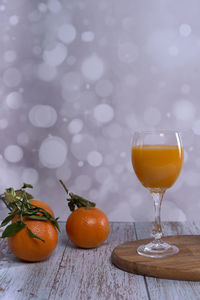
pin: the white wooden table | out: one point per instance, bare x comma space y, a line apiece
77, 274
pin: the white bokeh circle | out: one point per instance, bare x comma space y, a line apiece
10, 177
93, 67
173, 50
2, 7
42, 7
54, 6
55, 56
103, 113
67, 33
87, 36
75, 126
95, 158
196, 127
13, 153
80, 163
14, 20
53, 152
43, 116
3, 123
185, 30
14, 100
10, 56
183, 110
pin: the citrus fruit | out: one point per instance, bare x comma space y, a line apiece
31, 249
87, 227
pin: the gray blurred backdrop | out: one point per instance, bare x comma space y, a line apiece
77, 78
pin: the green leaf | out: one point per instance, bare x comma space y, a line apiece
9, 218
33, 235
37, 217
56, 224
6, 220
12, 229
45, 213
27, 185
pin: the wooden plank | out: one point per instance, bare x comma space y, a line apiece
89, 274
171, 289
20, 280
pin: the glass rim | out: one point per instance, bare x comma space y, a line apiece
166, 131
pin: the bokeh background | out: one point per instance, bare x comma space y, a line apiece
77, 78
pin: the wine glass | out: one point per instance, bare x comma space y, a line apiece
157, 158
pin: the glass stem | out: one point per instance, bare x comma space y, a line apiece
157, 230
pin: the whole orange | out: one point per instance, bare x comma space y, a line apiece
87, 227
32, 249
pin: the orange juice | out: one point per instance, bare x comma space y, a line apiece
157, 166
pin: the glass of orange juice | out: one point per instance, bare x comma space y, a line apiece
157, 158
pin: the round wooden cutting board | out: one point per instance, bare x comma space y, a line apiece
185, 265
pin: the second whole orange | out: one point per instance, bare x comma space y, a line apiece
87, 227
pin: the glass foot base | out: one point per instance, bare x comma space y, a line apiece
157, 249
